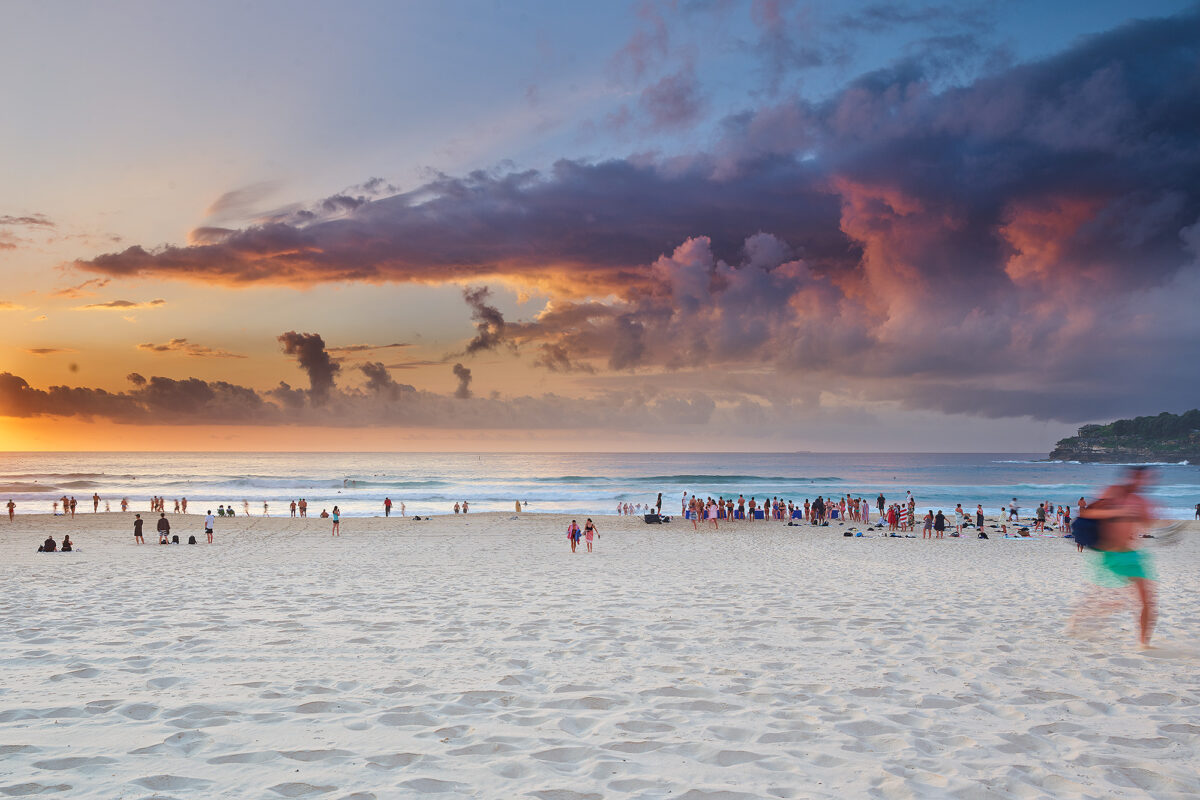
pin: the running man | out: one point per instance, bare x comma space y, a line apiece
1123, 513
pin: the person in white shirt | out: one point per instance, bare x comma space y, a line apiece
209, 522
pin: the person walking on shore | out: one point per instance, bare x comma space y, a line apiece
589, 530
12, 509
387, 507
573, 534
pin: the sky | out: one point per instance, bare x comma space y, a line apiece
695, 225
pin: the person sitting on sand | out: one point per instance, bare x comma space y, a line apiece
49, 546
67, 547
164, 527
324, 514
221, 510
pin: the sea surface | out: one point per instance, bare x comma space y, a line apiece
430, 483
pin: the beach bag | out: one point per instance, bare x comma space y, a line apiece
1086, 532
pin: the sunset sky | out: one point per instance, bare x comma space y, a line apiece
681, 225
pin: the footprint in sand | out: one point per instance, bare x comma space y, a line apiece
27, 789
171, 783
74, 762
300, 789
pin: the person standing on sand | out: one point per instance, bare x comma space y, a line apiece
939, 523
137, 529
387, 507
1197, 510
589, 530
12, 509
573, 534
292, 508
183, 503
658, 506
303, 508
95, 502
164, 527
209, 522
337, 521
879, 503
979, 516
402, 509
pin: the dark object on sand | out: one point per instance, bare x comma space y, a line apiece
653, 519
191, 540
1086, 532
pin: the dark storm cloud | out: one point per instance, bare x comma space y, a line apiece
904, 241
463, 391
489, 322
309, 349
28, 220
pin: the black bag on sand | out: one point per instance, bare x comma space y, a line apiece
653, 519
983, 535
191, 540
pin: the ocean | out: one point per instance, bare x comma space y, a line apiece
430, 483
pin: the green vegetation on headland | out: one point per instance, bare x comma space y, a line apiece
1167, 437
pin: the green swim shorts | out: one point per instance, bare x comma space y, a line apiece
1118, 567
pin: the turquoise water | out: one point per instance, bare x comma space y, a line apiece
584, 484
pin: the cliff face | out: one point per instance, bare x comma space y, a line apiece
1125, 450
1166, 437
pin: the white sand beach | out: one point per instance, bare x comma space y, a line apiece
478, 657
